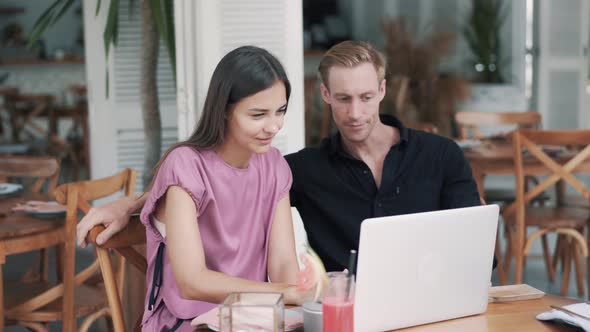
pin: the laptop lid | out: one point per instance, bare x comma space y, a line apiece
425, 267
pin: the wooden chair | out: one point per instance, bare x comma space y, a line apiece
472, 122
567, 222
25, 108
38, 170
6, 93
28, 234
78, 134
470, 125
124, 243
424, 126
78, 196
35, 172
72, 298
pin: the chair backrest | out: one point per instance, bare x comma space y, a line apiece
78, 196
561, 152
473, 121
39, 170
424, 126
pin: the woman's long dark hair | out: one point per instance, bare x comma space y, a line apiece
241, 73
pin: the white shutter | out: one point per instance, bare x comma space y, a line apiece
116, 127
563, 36
128, 61
208, 29
131, 148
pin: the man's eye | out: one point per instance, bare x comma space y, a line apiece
367, 98
258, 115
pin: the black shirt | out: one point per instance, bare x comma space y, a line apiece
334, 192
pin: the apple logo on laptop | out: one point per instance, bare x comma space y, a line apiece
430, 268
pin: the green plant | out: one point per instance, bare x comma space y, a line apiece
157, 22
482, 33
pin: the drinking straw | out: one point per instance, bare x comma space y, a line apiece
351, 268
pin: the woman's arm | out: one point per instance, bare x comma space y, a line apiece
114, 216
282, 259
185, 249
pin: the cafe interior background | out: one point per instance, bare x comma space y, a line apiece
445, 57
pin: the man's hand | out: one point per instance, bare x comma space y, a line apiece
114, 216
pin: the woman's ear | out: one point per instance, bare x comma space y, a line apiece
228, 112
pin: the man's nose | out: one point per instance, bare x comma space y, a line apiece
354, 111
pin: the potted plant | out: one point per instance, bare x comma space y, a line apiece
416, 90
482, 33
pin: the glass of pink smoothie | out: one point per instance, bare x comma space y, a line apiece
338, 303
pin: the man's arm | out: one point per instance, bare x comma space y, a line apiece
293, 193
459, 187
114, 216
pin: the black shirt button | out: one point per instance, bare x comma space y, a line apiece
365, 171
379, 205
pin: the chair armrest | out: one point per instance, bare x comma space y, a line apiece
132, 234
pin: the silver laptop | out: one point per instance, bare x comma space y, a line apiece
425, 267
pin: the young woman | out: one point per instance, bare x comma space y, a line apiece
218, 218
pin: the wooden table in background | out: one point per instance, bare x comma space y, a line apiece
14, 224
503, 317
16, 227
497, 158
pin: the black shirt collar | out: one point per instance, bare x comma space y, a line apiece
334, 142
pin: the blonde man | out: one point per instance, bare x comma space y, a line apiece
373, 166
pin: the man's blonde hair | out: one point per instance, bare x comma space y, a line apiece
351, 53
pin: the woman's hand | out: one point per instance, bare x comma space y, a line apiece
294, 296
114, 216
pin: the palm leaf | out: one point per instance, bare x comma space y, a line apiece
38, 29
44, 21
97, 8
111, 29
62, 11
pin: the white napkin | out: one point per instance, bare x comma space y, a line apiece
579, 308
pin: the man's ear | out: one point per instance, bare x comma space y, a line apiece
325, 94
382, 89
